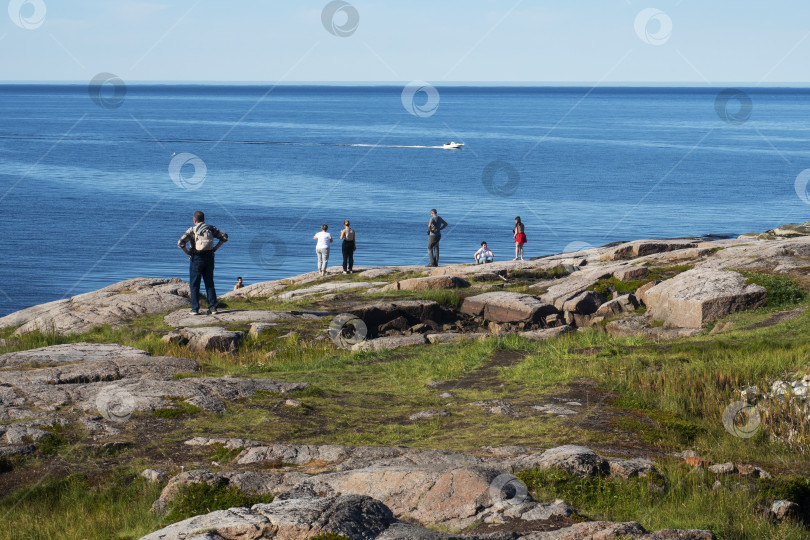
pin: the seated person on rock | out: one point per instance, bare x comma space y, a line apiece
483, 255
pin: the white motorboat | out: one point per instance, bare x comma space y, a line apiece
453, 145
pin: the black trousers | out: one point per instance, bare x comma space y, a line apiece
348, 255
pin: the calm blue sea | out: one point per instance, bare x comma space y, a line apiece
87, 197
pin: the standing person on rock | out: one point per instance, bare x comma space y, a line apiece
322, 248
435, 226
347, 235
201, 254
520, 238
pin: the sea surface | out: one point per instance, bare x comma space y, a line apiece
94, 189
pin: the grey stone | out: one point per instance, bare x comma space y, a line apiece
154, 476
428, 283
324, 288
782, 510
723, 468
585, 303
546, 511
180, 319
641, 292
506, 307
753, 471
426, 415
641, 248
354, 516
617, 306
257, 329
546, 333
213, 338
230, 443
496, 406
699, 296
390, 342
631, 468
631, 273
115, 381
553, 409
567, 288
450, 337
575, 459
175, 338
414, 311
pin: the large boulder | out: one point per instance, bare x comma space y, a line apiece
506, 307
566, 288
617, 306
213, 338
699, 296
578, 460
113, 305
412, 311
428, 283
585, 303
641, 248
428, 494
287, 519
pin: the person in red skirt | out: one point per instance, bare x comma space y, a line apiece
520, 238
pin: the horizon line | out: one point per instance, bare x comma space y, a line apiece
513, 84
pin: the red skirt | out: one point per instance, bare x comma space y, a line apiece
520, 238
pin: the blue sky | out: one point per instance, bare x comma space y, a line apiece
542, 41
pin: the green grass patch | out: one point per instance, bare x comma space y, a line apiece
74, 507
180, 410
679, 497
224, 455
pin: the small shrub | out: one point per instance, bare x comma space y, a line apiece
783, 291
51, 444
196, 499
330, 536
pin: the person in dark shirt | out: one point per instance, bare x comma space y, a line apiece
435, 226
201, 255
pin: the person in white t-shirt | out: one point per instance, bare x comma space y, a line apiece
483, 255
322, 248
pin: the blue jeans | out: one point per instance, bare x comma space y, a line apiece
433, 249
202, 267
484, 259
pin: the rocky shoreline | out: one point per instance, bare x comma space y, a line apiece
652, 289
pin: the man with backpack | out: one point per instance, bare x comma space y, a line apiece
201, 237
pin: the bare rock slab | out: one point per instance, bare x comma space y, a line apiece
546, 333
179, 319
506, 307
287, 519
575, 459
428, 283
641, 248
390, 342
699, 296
114, 305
